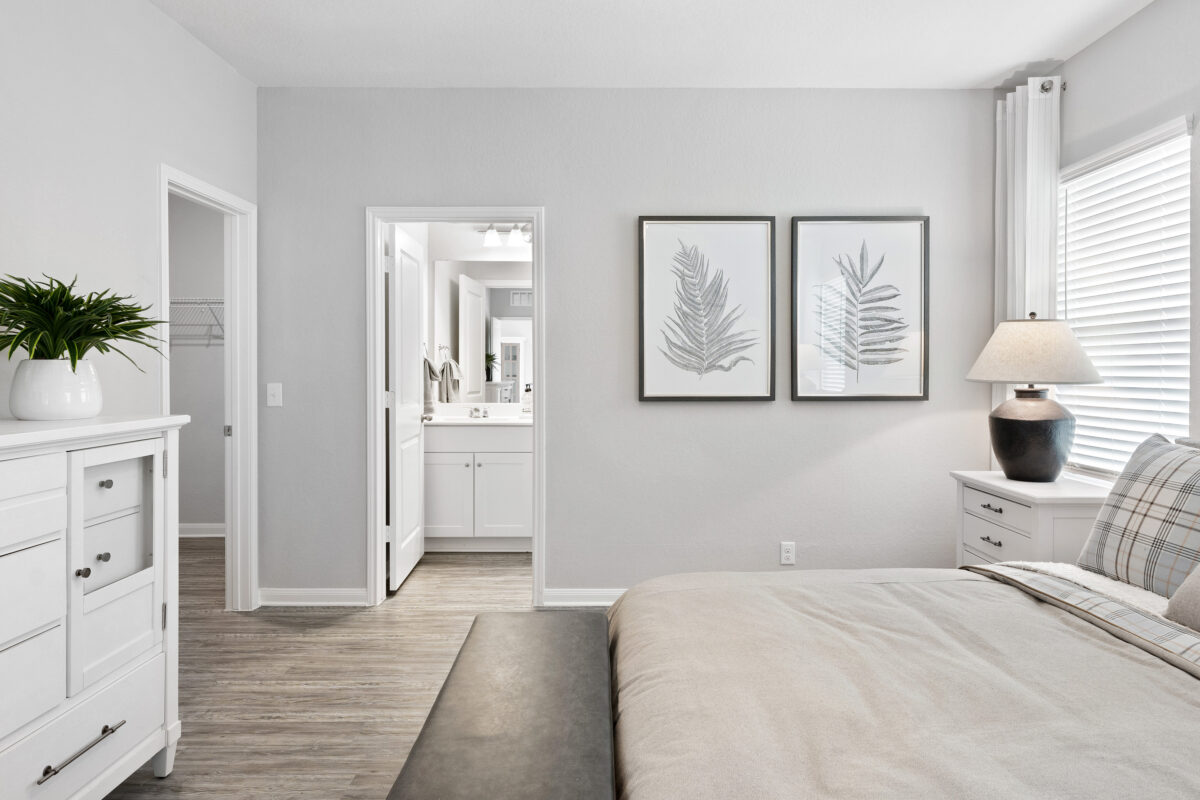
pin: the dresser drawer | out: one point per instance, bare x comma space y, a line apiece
116, 549
998, 509
22, 476
33, 590
33, 673
995, 542
134, 706
110, 488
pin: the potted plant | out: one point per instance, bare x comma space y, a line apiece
489, 364
57, 328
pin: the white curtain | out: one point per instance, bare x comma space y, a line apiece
1027, 164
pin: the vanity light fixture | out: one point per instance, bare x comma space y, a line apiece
491, 237
515, 237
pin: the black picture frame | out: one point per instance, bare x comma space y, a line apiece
769, 333
798, 286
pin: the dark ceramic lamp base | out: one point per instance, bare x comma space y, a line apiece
1032, 436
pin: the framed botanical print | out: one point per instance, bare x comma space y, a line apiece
860, 308
707, 322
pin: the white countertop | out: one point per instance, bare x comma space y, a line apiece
27, 433
481, 422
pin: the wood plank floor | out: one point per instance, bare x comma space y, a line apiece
317, 703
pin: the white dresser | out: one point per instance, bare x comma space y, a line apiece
1003, 520
88, 577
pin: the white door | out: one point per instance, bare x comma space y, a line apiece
472, 336
503, 494
405, 383
449, 494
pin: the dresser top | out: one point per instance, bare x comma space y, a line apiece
1067, 489
18, 433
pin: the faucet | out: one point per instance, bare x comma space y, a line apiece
478, 413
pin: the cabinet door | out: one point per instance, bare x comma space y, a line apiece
449, 497
503, 494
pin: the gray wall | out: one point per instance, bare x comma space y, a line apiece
500, 304
95, 97
634, 489
1143, 73
197, 241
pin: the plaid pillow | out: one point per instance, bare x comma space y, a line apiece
1148, 530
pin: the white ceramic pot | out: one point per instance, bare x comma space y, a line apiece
47, 389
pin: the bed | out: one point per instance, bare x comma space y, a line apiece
1006, 680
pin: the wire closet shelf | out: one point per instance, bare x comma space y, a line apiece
197, 321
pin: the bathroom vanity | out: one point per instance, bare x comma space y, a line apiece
478, 483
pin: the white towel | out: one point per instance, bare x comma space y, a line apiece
451, 375
431, 375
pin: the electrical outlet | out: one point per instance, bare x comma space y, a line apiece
787, 553
275, 394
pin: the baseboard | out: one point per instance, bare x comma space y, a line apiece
202, 530
483, 544
580, 597
312, 597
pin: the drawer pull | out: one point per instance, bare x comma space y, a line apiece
86, 572
990, 507
991, 541
105, 732
104, 557
106, 483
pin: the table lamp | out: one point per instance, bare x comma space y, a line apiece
1032, 434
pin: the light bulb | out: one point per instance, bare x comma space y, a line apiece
515, 237
491, 237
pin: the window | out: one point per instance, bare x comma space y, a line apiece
1123, 285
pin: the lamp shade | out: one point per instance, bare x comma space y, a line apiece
1034, 351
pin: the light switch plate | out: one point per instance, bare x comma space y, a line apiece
274, 394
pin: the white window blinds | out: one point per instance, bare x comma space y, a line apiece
1123, 285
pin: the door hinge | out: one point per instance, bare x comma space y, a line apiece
164, 616
229, 430
165, 454
389, 399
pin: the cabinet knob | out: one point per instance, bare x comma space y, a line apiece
106, 483
103, 557
479, 465
86, 572
467, 465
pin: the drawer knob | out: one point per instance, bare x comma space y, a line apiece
106, 483
991, 541
467, 465
986, 506
479, 465
86, 572
105, 557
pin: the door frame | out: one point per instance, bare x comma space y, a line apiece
377, 218
241, 370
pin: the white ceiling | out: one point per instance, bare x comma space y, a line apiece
947, 44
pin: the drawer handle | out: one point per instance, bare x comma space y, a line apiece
991, 541
86, 572
105, 557
106, 483
990, 507
105, 732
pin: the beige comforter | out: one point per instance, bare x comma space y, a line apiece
887, 684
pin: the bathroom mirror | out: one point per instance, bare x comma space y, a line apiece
482, 318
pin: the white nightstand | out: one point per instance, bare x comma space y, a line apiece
1003, 520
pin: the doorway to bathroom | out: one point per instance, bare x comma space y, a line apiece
456, 388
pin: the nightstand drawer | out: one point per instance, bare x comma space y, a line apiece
995, 542
998, 509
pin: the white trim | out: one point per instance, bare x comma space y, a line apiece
580, 597
376, 218
1180, 126
482, 544
312, 597
202, 530
241, 369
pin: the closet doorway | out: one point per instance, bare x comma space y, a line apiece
210, 371
498, 360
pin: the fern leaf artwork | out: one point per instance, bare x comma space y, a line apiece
701, 336
857, 326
